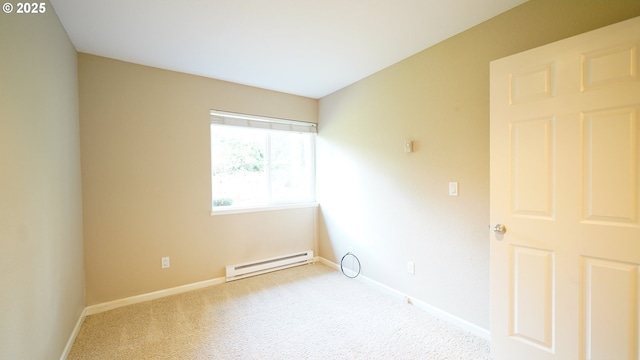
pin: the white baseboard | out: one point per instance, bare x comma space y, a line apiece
74, 334
437, 312
98, 308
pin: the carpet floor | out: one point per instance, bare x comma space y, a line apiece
306, 312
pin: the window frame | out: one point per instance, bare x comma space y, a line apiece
268, 125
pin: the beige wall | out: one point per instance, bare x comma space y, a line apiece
392, 207
146, 180
41, 266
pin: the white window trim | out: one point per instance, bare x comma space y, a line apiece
235, 119
262, 122
271, 207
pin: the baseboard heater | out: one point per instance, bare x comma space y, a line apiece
240, 271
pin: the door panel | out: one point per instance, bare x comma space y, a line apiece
608, 66
610, 174
610, 306
532, 163
534, 84
565, 181
532, 302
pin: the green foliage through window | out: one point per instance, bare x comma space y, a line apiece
252, 167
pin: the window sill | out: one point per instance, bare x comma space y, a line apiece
242, 210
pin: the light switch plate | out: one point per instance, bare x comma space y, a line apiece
453, 188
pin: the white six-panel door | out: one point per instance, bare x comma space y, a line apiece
565, 183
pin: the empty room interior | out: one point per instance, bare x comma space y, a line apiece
106, 153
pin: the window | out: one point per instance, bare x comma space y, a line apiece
259, 162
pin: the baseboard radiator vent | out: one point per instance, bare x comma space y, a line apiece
241, 271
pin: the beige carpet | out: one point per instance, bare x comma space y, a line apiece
306, 312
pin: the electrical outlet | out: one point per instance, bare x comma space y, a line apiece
165, 262
411, 267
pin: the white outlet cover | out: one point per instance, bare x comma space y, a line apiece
411, 267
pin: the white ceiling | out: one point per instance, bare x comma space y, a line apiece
305, 47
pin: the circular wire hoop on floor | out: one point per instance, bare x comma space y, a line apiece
351, 263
